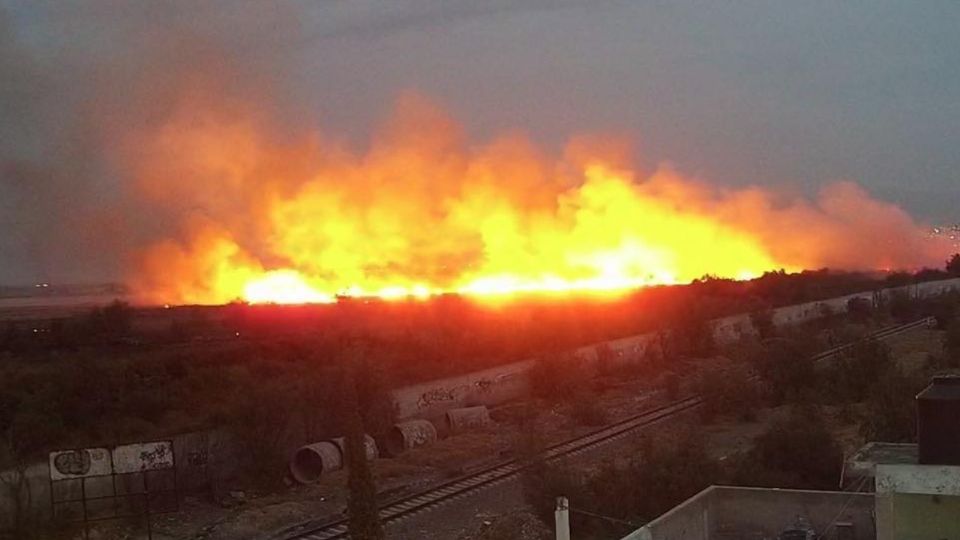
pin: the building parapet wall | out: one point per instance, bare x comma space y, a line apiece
723, 512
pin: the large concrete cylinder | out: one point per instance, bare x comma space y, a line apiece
467, 418
311, 461
369, 445
411, 434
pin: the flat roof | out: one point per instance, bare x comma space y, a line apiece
864, 461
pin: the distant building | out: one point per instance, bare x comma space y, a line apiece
890, 492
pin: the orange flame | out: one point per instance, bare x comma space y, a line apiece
421, 214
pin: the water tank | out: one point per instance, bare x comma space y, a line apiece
938, 421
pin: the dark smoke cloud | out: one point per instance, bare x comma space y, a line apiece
78, 78
75, 81
48, 163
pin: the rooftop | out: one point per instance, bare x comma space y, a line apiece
744, 513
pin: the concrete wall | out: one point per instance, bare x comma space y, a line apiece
720, 513
917, 501
743, 513
920, 479
487, 387
688, 521
503, 383
911, 516
201, 460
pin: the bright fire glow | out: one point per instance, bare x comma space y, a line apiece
422, 213
283, 287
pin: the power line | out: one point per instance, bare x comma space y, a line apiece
605, 518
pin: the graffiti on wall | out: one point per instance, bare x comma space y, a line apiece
140, 457
80, 463
448, 395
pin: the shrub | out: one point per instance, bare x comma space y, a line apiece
785, 366
762, 321
728, 389
889, 415
557, 378
859, 309
661, 474
951, 344
794, 452
953, 264
901, 307
691, 335
586, 410
260, 414
541, 483
850, 376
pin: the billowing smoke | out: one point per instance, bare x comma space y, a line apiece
75, 79
172, 155
422, 210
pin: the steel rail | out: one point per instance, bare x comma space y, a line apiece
337, 527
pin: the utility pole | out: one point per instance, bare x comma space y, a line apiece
561, 517
362, 505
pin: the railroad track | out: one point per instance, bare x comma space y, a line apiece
881, 334
455, 488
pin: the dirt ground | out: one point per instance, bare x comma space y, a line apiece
250, 515
254, 516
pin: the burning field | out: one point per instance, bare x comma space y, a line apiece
420, 212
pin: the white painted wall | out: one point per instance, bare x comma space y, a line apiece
504, 383
918, 479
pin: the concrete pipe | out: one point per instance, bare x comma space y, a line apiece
407, 435
311, 461
467, 418
369, 445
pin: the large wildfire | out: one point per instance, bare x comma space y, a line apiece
266, 218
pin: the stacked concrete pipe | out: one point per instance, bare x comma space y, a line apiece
409, 435
466, 419
312, 461
369, 446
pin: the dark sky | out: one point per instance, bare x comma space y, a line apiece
792, 94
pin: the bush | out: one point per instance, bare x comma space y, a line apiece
728, 389
662, 474
902, 308
568, 380
850, 376
541, 483
795, 452
586, 410
953, 265
690, 334
859, 309
260, 416
559, 377
890, 413
943, 307
762, 321
951, 344
785, 366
